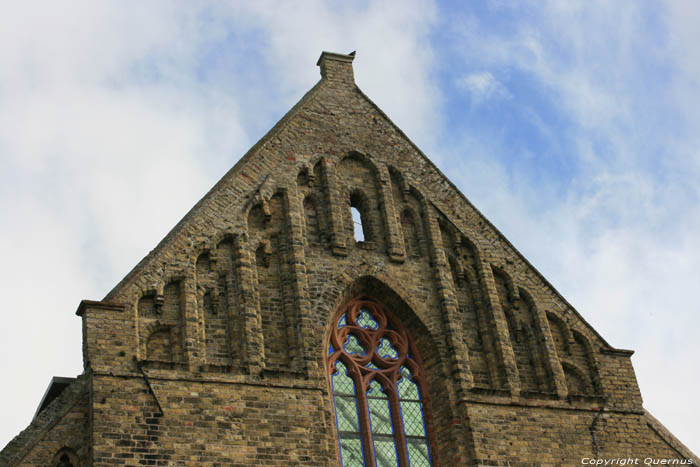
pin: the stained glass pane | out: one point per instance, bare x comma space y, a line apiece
353, 346
346, 413
351, 450
407, 388
412, 415
381, 426
385, 451
418, 453
342, 322
379, 409
347, 418
413, 420
342, 383
386, 350
365, 320
330, 349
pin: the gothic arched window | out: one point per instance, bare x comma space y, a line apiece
378, 390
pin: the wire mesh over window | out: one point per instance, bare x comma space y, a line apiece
413, 420
347, 417
376, 378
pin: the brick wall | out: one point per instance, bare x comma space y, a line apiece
212, 350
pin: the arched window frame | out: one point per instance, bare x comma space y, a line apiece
388, 372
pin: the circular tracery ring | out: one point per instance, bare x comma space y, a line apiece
372, 344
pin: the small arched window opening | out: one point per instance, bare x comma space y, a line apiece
378, 389
359, 218
358, 229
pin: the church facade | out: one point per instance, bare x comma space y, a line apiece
335, 300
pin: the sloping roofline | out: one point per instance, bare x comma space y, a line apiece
280, 125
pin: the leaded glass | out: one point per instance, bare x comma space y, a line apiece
379, 409
342, 322
346, 413
347, 418
412, 415
385, 451
413, 420
407, 388
353, 346
381, 427
371, 366
386, 350
365, 320
418, 452
351, 450
342, 383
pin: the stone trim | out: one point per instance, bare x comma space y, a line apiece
616, 352
113, 306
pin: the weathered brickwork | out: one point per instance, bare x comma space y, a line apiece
527, 436
208, 422
213, 350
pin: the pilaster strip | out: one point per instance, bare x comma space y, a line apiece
254, 349
482, 310
192, 345
335, 209
551, 360
503, 344
299, 290
234, 322
395, 247
458, 354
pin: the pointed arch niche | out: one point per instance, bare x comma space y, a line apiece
379, 382
65, 457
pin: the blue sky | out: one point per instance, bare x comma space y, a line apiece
573, 126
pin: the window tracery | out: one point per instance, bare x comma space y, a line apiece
377, 385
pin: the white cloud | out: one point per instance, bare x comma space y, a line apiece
482, 86
115, 121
